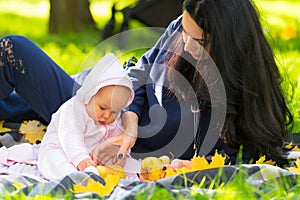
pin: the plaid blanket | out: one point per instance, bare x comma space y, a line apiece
257, 175
24, 179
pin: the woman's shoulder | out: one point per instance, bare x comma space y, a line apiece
176, 23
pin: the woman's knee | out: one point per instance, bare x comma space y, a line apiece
13, 39
9, 45
12, 43
14, 49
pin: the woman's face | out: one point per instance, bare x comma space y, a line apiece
193, 37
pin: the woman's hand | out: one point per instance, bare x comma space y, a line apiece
112, 148
178, 163
116, 147
86, 163
105, 151
127, 139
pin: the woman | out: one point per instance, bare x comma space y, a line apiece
160, 119
257, 116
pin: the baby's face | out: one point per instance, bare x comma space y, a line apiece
106, 104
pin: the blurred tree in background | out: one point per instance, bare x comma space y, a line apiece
70, 16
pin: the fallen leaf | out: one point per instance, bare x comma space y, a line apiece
199, 163
184, 170
111, 181
91, 186
33, 130
170, 172
289, 146
262, 160
217, 160
3, 129
297, 168
296, 148
18, 185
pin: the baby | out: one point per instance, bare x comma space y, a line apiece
85, 120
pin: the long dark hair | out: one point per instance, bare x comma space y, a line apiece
257, 116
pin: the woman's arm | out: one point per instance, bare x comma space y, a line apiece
130, 122
116, 147
139, 75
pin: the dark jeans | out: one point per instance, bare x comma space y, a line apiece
31, 83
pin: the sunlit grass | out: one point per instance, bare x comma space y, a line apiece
30, 18
279, 13
28, 9
281, 22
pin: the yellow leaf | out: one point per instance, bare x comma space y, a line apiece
33, 130
183, 170
270, 162
199, 163
91, 186
294, 169
296, 148
297, 163
289, 146
111, 181
262, 160
297, 168
18, 185
170, 172
2, 129
115, 169
217, 160
155, 168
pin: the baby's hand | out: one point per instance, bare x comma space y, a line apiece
86, 163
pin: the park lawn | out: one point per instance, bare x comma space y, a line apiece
281, 20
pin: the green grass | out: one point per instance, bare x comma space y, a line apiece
279, 17
31, 20
70, 51
240, 187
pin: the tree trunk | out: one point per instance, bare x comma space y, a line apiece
70, 16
